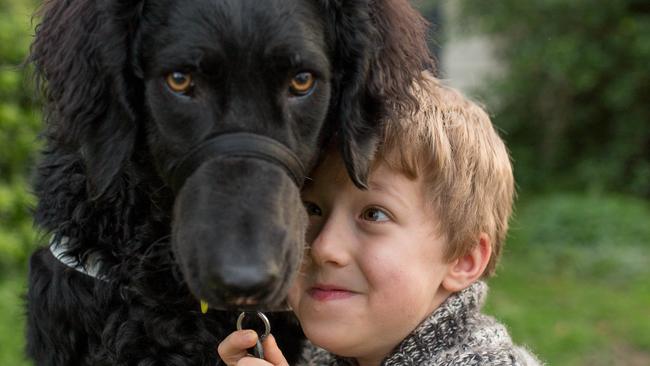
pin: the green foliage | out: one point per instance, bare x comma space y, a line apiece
574, 98
19, 124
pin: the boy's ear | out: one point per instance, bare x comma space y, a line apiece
463, 271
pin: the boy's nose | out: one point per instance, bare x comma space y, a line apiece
331, 245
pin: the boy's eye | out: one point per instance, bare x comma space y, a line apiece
312, 209
374, 214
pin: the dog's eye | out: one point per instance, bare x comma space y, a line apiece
302, 83
179, 82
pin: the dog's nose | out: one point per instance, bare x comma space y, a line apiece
244, 281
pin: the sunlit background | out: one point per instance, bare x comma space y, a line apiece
568, 85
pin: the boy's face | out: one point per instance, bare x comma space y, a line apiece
375, 264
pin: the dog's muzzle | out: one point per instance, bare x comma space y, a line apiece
238, 144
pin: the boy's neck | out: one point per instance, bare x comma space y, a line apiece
370, 361
379, 357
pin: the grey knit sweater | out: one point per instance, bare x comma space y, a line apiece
455, 334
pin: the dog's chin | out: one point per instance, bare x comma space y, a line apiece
238, 233
268, 304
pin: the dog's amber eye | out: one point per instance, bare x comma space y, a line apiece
179, 82
302, 83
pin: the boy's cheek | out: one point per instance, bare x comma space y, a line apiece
294, 294
299, 286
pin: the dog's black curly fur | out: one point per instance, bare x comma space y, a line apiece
112, 129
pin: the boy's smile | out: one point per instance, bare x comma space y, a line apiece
323, 292
374, 268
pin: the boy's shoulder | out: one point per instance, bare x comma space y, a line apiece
471, 339
480, 339
485, 341
458, 333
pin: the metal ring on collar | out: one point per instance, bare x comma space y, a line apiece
265, 320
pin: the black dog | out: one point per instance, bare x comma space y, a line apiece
152, 179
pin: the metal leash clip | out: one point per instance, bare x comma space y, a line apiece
258, 350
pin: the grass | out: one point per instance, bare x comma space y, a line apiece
572, 284
12, 319
573, 281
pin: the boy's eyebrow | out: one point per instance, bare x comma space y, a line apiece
389, 190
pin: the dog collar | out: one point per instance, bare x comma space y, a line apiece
238, 144
90, 267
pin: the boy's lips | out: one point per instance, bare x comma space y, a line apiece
321, 292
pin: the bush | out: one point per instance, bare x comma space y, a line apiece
573, 101
19, 124
603, 238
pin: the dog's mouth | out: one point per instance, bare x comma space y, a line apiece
270, 297
244, 304
238, 233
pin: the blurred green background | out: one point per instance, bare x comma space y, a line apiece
571, 95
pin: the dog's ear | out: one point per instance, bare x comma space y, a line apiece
82, 58
380, 50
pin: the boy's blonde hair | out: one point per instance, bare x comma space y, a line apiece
464, 164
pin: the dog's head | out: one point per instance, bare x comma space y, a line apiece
127, 79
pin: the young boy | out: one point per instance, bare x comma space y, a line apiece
392, 273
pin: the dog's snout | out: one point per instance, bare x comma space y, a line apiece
239, 244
